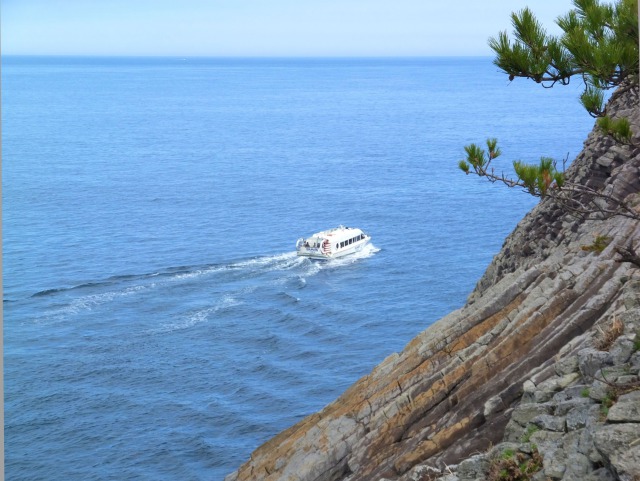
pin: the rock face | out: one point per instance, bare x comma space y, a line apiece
513, 357
583, 422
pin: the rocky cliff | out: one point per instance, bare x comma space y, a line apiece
494, 370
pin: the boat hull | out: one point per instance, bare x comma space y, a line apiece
342, 253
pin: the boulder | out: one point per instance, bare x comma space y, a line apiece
626, 409
619, 447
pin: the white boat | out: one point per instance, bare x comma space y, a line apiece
329, 244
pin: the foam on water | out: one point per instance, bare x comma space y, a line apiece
201, 315
230, 280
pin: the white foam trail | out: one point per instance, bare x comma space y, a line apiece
88, 303
197, 317
299, 267
197, 273
275, 262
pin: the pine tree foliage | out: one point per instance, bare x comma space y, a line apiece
599, 44
536, 179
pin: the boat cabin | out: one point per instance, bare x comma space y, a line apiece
336, 242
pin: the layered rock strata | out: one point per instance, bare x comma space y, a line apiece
452, 391
582, 423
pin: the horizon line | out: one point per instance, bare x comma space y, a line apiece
183, 56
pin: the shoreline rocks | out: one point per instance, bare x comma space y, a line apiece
584, 420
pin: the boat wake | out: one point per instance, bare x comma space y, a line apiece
184, 296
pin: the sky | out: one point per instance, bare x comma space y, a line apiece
262, 28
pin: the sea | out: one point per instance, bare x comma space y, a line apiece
158, 324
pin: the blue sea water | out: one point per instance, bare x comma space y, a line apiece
157, 323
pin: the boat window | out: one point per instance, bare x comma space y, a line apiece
341, 244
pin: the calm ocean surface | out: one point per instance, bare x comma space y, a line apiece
157, 323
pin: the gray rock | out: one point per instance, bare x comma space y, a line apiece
568, 379
527, 398
448, 477
576, 392
546, 390
618, 444
473, 468
590, 361
631, 321
581, 416
577, 466
546, 440
599, 390
525, 413
626, 409
493, 405
611, 374
567, 365
635, 360
605, 160
631, 296
539, 397
563, 407
422, 471
513, 432
559, 397
631, 378
622, 349
549, 422
539, 476
602, 474
557, 383
580, 441
554, 462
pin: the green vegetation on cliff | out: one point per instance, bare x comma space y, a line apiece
599, 46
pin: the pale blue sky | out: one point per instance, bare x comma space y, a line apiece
261, 27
